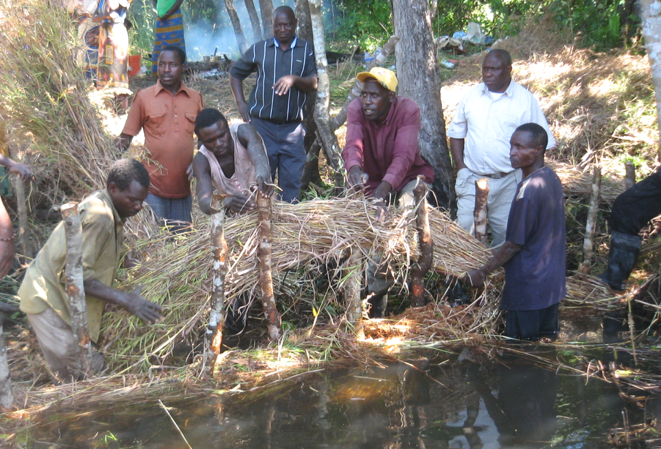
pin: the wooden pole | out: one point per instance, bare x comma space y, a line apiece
480, 213
219, 248
352, 299
321, 115
422, 266
6, 397
630, 179
75, 289
236, 24
254, 21
271, 313
591, 224
22, 204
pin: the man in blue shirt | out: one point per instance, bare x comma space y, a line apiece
534, 252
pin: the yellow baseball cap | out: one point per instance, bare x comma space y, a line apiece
386, 77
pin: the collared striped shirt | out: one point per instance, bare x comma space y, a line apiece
272, 63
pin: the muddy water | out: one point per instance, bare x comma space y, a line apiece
424, 405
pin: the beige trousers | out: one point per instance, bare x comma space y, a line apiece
57, 343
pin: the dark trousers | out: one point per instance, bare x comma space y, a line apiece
532, 325
637, 206
286, 151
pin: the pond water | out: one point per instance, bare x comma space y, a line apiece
424, 404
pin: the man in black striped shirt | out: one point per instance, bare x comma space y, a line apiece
286, 72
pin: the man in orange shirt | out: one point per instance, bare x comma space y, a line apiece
166, 112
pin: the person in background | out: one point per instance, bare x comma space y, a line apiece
166, 112
42, 293
233, 160
534, 252
286, 72
168, 30
113, 67
480, 134
631, 211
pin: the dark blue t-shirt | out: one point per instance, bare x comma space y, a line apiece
535, 276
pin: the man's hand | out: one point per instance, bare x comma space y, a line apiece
239, 203
475, 278
22, 170
7, 252
264, 183
129, 261
147, 311
284, 84
244, 111
356, 177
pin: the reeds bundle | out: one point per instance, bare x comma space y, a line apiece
45, 96
579, 183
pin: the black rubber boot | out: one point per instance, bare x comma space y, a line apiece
379, 304
621, 259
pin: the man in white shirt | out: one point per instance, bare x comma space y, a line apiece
480, 135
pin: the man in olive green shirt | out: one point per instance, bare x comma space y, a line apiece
42, 293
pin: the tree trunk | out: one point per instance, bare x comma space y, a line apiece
650, 16
75, 288
6, 397
321, 116
219, 248
311, 170
480, 212
22, 205
422, 266
254, 21
271, 313
236, 24
266, 9
417, 71
591, 225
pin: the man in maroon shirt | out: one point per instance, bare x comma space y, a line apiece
381, 155
381, 151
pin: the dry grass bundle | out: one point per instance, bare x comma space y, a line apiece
45, 96
578, 183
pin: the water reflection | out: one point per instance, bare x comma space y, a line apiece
419, 405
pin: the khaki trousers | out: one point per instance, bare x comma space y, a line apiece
57, 343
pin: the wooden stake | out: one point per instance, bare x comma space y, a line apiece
6, 397
422, 266
352, 299
219, 248
273, 323
22, 204
591, 224
480, 213
75, 288
630, 179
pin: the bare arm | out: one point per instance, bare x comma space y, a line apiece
237, 90
23, 170
147, 311
7, 248
252, 141
304, 84
203, 186
504, 254
457, 150
123, 142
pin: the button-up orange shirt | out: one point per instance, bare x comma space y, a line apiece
169, 123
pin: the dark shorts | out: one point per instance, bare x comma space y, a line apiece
532, 325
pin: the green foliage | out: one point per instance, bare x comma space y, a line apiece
367, 23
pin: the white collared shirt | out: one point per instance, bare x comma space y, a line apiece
487, 124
